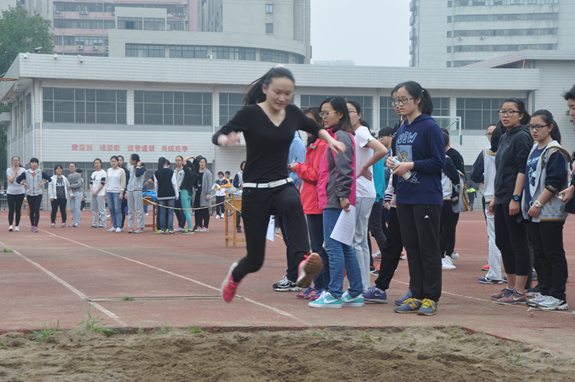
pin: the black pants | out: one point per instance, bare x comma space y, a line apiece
15, 206
34, 203
374, 227
124, 203
420, 233
202, 215
180, 213
258, 204
58, 203
238, 219
291, 271
451, 244
220, 205
447, 228
511, 239
547, 240
390, 253
384, 220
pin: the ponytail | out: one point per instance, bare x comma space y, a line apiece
547, 117
255, 93
418, 93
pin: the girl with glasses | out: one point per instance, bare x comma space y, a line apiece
58, 193
15, 194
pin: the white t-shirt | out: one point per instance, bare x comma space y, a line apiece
96, 180
15, 188
364, 187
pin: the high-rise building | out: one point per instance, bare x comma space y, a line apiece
456, 33
37, 7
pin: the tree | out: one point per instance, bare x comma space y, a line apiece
20, 34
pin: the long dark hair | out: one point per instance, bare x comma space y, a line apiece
417, 92
547, 117
161, 162
123, 166
314, 111
338, 104
255, 93
497, 133
521, 106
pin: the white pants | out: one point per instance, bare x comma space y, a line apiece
98, 205
363, 208
494, 257
75, 206
135, 206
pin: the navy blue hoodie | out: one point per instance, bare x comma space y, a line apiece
421, 142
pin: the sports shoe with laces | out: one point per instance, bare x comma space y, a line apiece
10, 229
306, 294
17, 229
326, 300
533, 274
404, 298
447, 263
63, 225
504, 292
377, 255
283, 281
553, 303
514, 298
428, 308
537, 299
159, 231
139, 230
286, 285
53, 225
229, 286
403, 256
308, 269
188, 232
487, 280
348, 300
374, 294
411, 305
485, 267
130, 230
455, 255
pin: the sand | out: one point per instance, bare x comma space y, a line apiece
165, 354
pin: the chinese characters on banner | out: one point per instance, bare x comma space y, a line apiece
137, 148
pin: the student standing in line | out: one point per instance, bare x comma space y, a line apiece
202, 197
510, 231
167, 192
220, 188
546, 173
115, 186
34, 179
14, 194
97, 201
569, 96
238, 185
124, 199
191, 172
449, 177
419, 197
368, 151
76, 187
268, 123
58, 194
179, 172
137, 172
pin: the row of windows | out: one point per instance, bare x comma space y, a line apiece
135, 23
505, 17
84, 105
145, 50
80, 40
231, 53
90, 7
474, 3
506, 32
84, 24
478, 113
172, 108
503, 48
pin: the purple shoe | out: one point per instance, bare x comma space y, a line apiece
404, 298
374, 294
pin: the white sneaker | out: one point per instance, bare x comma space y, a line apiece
454, 255
17, 229
447, 263
112, 229
10, 229
118, 230
374, 255
217, 216
222, 216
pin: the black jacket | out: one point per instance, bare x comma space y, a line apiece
512, 155
191, 173
164, 179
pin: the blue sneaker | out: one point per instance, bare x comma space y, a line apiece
404, 298
326, 300
428, 308
347, 300
505, 279
374, 294
487, 280
533, 291
410, 305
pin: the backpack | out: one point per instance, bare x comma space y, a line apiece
460, 201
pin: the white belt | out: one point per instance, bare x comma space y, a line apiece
277, 183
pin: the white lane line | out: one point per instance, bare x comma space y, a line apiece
278, 311
70, 287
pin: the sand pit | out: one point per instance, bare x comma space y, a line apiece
414, 354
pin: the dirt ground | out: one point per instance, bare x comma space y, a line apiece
165, 354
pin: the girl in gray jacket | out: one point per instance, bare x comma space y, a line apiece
34, 179
202, 197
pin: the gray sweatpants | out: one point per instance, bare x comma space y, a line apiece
98, 205
75, 205
135, 205
363, 208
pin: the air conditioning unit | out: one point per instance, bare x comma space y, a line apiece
80, 47
56, 11
209, 56
106, 49
482, 37
95, 47
460, 38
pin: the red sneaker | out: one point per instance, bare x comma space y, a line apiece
229, 286
485, 267
308, 269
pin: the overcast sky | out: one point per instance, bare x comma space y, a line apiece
369, 32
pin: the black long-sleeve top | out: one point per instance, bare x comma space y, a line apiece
267, 145
191, 174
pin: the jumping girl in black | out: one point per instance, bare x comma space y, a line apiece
268, 123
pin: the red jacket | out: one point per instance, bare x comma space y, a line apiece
308, 172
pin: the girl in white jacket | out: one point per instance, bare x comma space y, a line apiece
58, 193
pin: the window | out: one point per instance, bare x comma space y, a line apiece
172, 108
448, 34
176, 26
231, 53
81, 40
140, 50
503, 48
449, 4
297, 59
449, 64
182, 51
130, 23
387, 115
460, 63
476, 3
365, 102
84, 24
448, 49
440, 106
507, 17
154, 24
477, 113
230, 103
274, 56
269, 9
507, 32
269, 28
449, 19
84, 106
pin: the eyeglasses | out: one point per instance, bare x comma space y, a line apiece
351, 111
508, 112
400, 101
536, 127
326, 113
488, 134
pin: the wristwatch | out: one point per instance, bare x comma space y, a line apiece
342, 198
537, 204
516, 198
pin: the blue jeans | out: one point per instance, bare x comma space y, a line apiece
341, 258
168, 203
115, 207
315, 227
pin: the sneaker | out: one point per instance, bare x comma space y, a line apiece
286, 285
205, 230
348, 300
10, 229
533, 291
374, 294
159, 231
188, 232
36, 229
447, 263
163, 232
239, 230
63, 225
514, 298
485, 268
179, 229
533, 275
410, 305
403, 256
375, 272
454, 255
229, 286
118, 230
499, 295
428, 308
404, 298
102, 226
53, 225
130, 230
222, 216
139, 230
308, 269
377, 255
112, 229
17, 229
93, 226
32, 229
147, 214
537, 299
326, 300
505, 279
170, 232
72, 225
553, 303
306, 294
315, 294
487, 280
218, 217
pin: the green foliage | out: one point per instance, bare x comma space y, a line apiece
20, 33
195, 329
43, 334
128, 299
93, 323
